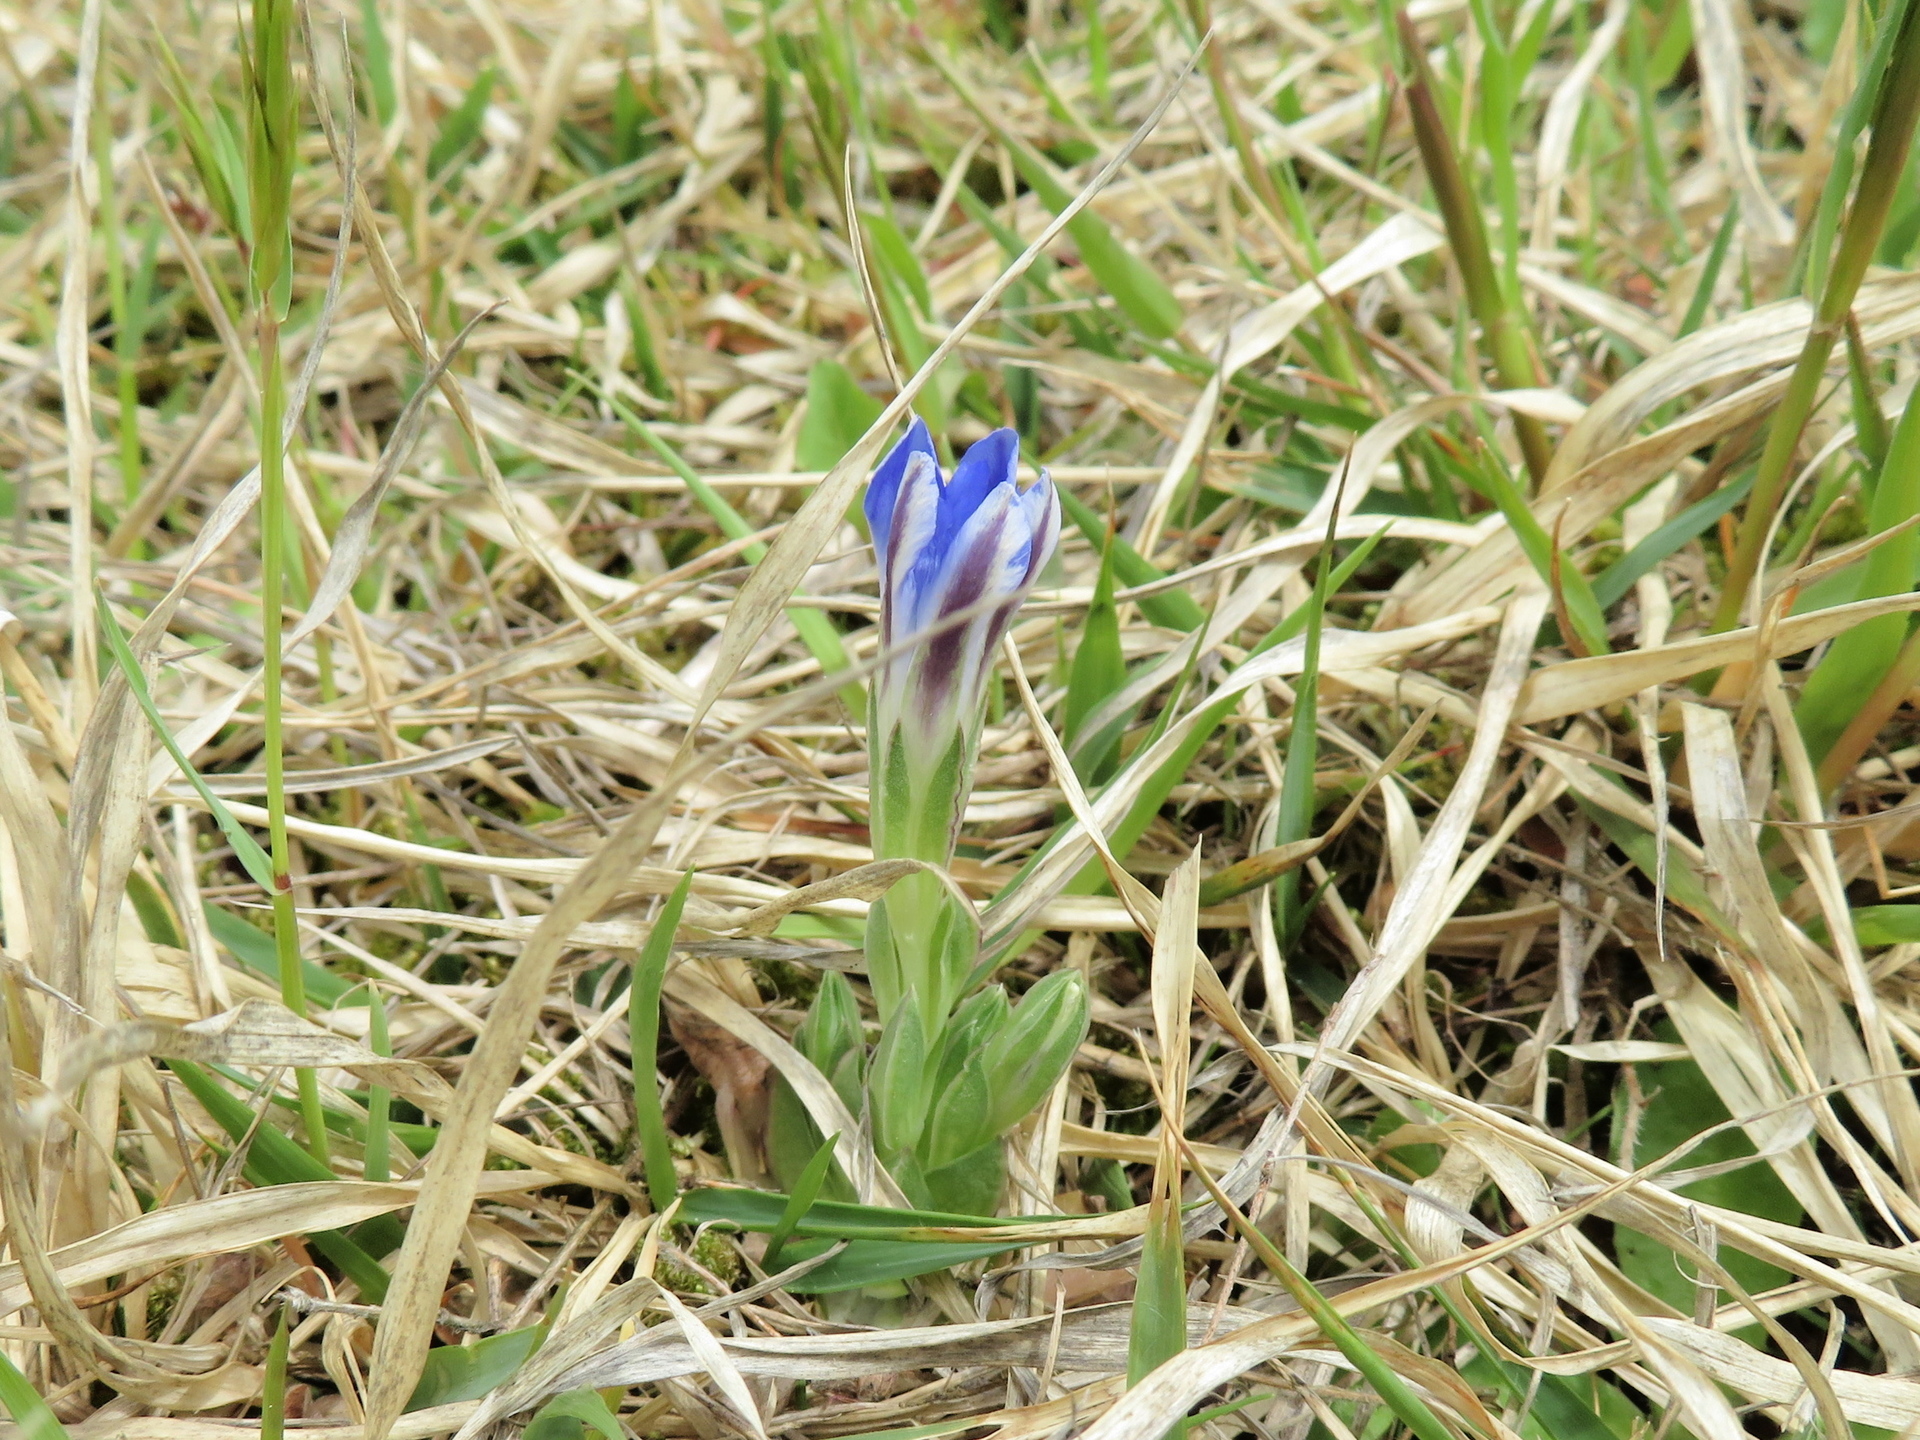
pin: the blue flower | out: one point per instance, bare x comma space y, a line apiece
957, 556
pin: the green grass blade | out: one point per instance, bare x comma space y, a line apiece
838, 414
273, 1384
1157, 1327
273, 1159
255, 949
245, 848
32, 1414
461, 128
1612, 584
643, 1025
1869, 425
1175, 609
1142, 296
1394, 1392
1153, 794
376, 1164
805, 1191
568, 1416
1710, 272
1570, 586
453, 1373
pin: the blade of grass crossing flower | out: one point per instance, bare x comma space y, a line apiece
33, 1416
1394, 1392
805, 1191
1896, 104
273, 1385
643, 1025
814, 628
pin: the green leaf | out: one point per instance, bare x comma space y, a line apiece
1887, 924
31, 1413
838, 414
273, 1384
1143, 297
1033, 1049
875, 1262
569, 1416
643, 1025
831, 1034
453, 1373
963, 1116
897, 1082
890, 247
1157, 1328
377, 58
1858, 660
1174, 609
762, 1210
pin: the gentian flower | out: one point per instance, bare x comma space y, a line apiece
952, 1071
957, 556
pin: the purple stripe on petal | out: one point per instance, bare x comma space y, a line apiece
883, 490
915, 518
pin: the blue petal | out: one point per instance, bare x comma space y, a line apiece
988, 463
883, 490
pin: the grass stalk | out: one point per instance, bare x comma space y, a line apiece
1895, 109
273, 115
1499, 319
